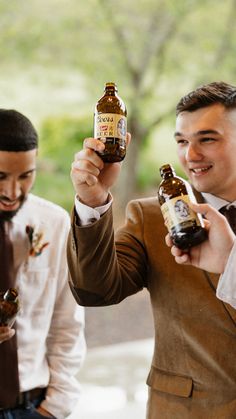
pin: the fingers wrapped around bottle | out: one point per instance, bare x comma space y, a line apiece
6, 333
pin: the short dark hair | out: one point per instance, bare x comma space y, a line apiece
207, 95
17, 133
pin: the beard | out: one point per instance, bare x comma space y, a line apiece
8, 215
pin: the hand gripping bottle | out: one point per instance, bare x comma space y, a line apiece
9, 307
185, 227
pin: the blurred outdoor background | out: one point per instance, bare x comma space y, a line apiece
55, 57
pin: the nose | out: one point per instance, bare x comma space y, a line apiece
12, 190
193, 153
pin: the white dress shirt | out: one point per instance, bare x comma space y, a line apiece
50, 324
226, 288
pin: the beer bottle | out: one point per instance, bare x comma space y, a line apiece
9, 307
185, 227
110, 124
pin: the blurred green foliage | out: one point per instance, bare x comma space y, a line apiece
60, 138
55, 187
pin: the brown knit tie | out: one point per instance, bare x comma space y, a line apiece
229, 211
9, 378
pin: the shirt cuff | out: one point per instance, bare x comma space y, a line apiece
88, 215
226, 289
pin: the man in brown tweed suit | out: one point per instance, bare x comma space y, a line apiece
193, 370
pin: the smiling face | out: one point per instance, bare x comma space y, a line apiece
17, 175
206, 145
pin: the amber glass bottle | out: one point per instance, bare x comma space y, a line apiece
9, 307
110, 124
184, 225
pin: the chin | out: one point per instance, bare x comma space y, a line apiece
199, 186
8, 215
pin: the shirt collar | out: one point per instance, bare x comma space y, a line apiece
216, 202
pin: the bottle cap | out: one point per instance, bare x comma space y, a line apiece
112, 85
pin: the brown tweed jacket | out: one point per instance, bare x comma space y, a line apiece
193, 370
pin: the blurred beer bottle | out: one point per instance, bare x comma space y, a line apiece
185, 227
9, 307
110, 124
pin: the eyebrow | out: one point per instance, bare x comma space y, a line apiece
201, 132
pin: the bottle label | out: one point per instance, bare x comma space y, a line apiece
176, 211
110, 125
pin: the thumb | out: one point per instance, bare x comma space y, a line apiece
11, 333
208, 212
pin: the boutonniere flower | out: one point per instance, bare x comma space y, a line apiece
36, 241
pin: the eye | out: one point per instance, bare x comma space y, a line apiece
207, 140
2, 176
181, 141
26, 175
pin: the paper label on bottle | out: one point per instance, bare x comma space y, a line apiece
176, 211
110, 125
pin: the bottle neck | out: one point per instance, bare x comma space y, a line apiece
167, 175
167, 171
110, 92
